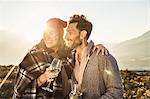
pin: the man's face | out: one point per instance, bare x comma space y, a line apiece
51, 36
72, 36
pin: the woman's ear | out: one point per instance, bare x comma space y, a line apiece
83, 34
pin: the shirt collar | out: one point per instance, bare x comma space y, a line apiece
89, 48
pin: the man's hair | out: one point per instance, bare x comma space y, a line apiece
82, 23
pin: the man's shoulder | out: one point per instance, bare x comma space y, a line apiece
106, 57
101, 57
104, 61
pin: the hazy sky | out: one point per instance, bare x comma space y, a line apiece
22, 21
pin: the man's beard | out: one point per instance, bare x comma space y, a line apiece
77, 43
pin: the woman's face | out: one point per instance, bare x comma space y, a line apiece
52, 36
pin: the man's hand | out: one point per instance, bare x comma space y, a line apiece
101, 48
47, 75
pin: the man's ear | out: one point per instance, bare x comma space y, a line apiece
83, 34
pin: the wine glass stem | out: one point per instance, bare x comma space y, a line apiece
49, 83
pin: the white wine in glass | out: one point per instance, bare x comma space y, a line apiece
55, 67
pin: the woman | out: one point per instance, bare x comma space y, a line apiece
33, 74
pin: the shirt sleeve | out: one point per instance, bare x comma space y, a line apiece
112, 79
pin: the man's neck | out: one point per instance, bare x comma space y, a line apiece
81, 47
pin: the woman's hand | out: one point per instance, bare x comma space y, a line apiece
49, 74
101, 48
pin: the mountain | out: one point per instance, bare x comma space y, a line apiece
134, 53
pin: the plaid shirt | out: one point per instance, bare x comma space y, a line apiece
33, 65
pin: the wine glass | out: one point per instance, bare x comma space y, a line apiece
55, 67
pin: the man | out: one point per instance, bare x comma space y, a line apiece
33, 72
95, 76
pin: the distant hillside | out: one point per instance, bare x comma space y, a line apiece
13, 47
134, 53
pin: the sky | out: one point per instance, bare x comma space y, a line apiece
22, 22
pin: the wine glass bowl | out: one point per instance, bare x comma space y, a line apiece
55, 67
